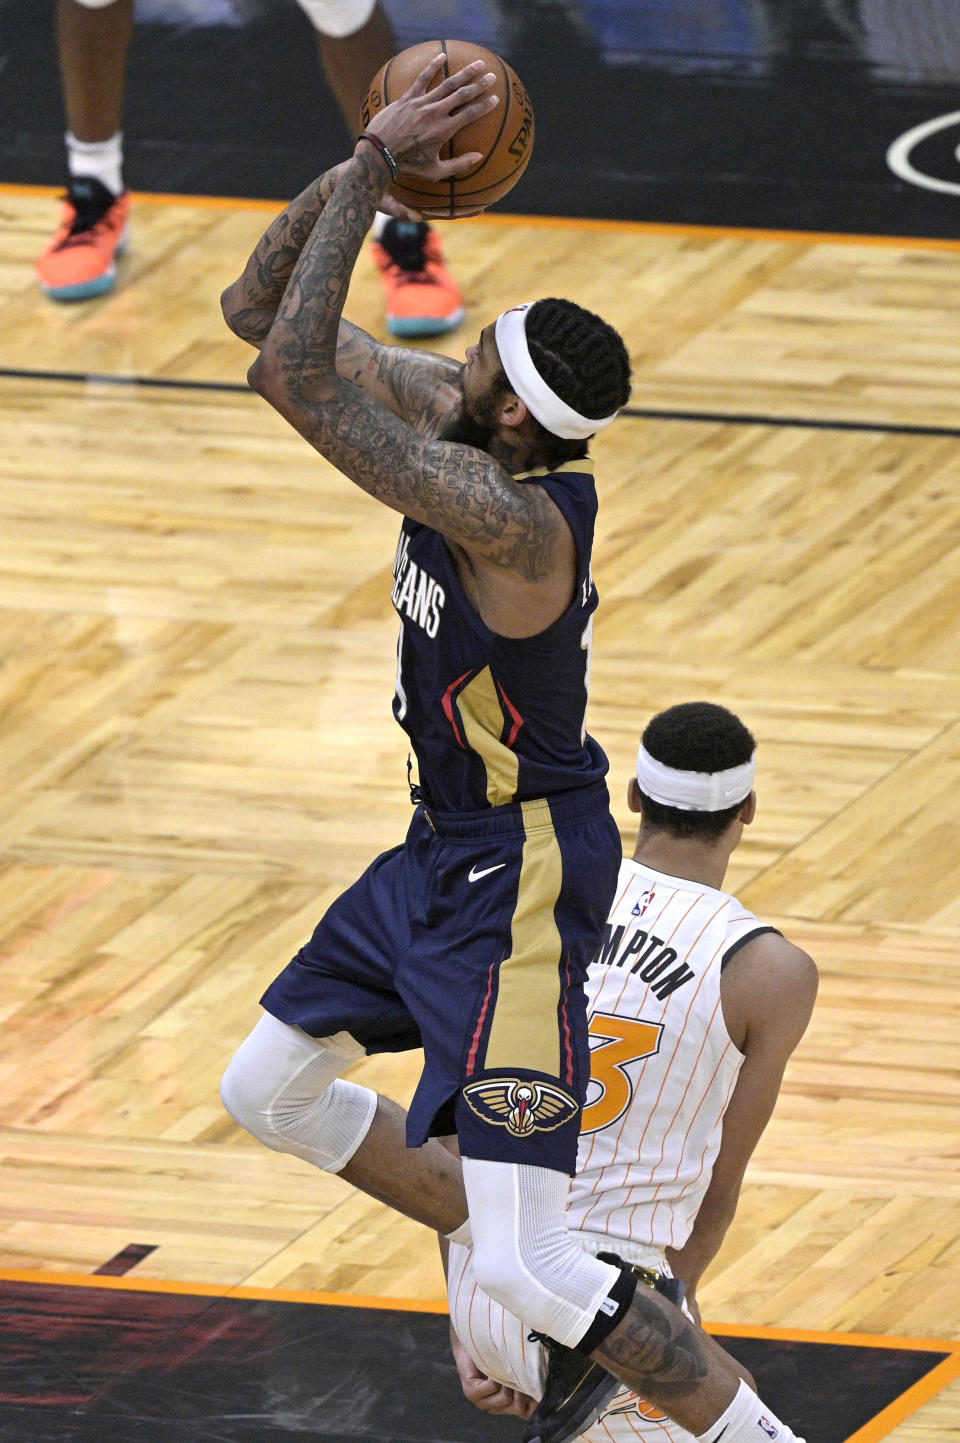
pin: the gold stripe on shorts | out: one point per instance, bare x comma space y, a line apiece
525, 1031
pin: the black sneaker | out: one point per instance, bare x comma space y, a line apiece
577, 1389
575, 1394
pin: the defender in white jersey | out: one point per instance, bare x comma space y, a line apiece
694, 1007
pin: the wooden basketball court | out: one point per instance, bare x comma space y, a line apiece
196, 663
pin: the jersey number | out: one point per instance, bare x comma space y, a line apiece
625, 1040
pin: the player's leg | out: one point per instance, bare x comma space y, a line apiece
93, 39
326, 1009
354, 38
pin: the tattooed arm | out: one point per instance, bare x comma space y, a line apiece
417, 385
250, 304
463, 492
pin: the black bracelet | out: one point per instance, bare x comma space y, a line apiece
387, 154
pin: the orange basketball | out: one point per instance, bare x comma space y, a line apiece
504, 137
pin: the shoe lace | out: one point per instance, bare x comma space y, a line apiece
405, 242
89, 209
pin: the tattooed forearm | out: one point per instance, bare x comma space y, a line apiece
250, 304
301, 346
656, 1352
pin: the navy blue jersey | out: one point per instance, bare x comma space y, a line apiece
495, 719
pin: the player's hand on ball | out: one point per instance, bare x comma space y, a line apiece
415, 127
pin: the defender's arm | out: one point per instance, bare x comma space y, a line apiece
767, 1001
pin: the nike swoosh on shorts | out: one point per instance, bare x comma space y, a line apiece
474, 876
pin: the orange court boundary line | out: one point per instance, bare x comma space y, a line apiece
217, 1290
909, 1402
635, 227
879, 1427
428, 1305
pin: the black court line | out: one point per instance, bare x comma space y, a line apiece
126, 1259
642, 413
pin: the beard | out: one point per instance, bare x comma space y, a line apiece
466, 429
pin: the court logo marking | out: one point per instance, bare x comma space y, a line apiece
899, 154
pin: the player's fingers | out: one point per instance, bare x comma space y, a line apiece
448, 121
520, 1405
460, 80
419, 85
480, 1390
500, 1401
459, 165
400, 211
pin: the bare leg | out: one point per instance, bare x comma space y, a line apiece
350, 63
93, 47
425, 1183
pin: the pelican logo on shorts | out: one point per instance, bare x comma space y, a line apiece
523, 1108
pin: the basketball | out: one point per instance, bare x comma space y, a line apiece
504, 137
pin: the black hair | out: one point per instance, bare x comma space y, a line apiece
582, 359
696, 736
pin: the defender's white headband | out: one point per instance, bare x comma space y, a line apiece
542, 403
694, 791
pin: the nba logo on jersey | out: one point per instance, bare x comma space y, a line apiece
640, 907
771, 1429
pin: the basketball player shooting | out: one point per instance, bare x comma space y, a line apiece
473, 937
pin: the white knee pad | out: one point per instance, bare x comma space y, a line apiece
96, 4
284, 1087
523, 1253
337, 18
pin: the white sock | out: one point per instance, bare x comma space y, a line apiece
462, 1235
748, 1420
101, 159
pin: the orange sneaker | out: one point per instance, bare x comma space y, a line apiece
79, 261
423, 299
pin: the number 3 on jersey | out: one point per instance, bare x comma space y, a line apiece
624, 1040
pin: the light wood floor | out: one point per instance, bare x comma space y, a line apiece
197, 750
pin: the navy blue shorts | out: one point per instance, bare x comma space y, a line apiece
473, 939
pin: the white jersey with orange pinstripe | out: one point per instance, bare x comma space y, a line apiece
663, 1069
663, 1066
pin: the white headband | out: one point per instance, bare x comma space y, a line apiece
542, 403
694, 791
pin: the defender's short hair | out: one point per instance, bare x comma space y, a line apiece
695, 736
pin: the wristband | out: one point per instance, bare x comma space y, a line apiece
387, 154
